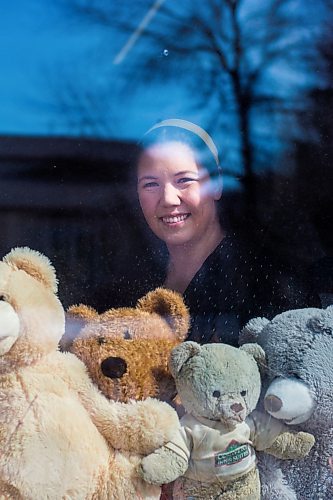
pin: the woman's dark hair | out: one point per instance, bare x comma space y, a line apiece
201, 144
205, 155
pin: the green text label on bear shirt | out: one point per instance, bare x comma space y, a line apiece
234, 453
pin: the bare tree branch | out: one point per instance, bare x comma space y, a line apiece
222, 49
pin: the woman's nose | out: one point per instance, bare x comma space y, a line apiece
170, 195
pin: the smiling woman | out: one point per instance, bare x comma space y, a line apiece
223, 281
178, 203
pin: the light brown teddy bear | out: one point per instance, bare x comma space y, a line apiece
126, 350
59, 436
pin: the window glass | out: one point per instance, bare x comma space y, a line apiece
83, 81
178, 144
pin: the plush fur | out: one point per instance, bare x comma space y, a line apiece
59, 436
126, 350
219, 386
299, 376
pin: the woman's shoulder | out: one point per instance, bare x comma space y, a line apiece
236, 251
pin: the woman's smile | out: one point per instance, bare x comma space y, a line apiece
175, 220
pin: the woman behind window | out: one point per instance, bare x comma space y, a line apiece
224, 281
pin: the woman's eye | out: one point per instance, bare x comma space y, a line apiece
184, 180
149, 185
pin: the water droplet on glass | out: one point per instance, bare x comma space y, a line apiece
165, 52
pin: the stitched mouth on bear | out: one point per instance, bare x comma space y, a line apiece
113, 367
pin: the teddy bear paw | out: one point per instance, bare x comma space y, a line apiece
305, 442
162, 467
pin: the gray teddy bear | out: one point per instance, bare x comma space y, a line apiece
214, 451
299, 356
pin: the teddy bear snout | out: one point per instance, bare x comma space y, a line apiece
289, 399
9, 327
114, 367
272, 403
237, 407
231, 410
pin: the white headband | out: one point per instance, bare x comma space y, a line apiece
192, 127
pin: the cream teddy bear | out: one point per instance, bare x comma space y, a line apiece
59, 436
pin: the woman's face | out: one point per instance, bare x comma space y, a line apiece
176, 195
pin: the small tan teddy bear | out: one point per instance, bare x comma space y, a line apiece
214, 451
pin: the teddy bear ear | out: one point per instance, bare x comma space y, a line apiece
35, 264
323, 321
257, 352
181, 354
252, 329
329, 316
170, 306
77, 317
83, 312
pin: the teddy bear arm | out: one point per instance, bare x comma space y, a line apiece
291, 445
140, 427
103, 413
163, 466
8, 492
144, 426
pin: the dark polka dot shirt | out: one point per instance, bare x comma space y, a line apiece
235, 283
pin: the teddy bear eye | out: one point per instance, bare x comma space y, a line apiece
101, 340
216, 394
127, 335
243, 393
113, 367
2, 297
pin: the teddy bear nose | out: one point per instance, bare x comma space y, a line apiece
237, 407
113, 367
272, 403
